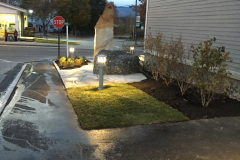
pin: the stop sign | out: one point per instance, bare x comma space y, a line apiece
58, 21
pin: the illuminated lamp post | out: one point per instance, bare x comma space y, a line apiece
71, 50
132, 49
101, 59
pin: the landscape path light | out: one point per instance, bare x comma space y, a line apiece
71, 50
132, 49
101, 60
141, 57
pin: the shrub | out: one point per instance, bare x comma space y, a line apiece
28, 32
168, 56
181, 72
171, 54
152, 44
79, 61
69, 63
209, 70
61, 61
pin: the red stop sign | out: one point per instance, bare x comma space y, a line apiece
58, 21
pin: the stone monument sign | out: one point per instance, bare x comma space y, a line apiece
103, 39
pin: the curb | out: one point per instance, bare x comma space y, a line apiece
58, 69
30, 44
4, 98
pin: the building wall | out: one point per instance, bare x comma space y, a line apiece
6, 10
7, 17
196, 21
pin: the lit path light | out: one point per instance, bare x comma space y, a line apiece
101, 59
142, 58
71, 50
132, 49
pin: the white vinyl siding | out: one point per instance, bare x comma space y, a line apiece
196, 21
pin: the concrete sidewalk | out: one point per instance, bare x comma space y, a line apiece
39, 123
84, 77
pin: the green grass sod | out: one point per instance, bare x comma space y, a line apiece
119, 105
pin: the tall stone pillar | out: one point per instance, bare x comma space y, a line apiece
103, 39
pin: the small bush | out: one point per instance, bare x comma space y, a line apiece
210, 70
69, 63
79, 61
168, 56
28, 32
61, 61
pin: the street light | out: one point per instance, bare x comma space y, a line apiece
101, 59
30, 11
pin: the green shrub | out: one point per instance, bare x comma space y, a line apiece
28, 32
61, 61
167, 57
79, 61
69, 63
210, 70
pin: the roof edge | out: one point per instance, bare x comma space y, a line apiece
13, 7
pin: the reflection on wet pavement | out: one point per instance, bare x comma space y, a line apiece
25, 134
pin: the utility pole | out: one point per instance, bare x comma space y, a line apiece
135, 24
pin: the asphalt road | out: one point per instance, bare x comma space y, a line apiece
35, 53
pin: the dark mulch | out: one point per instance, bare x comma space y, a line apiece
190, 103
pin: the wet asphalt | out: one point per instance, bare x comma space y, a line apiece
39, 123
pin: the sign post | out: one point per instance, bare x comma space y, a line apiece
67, 24
135, 27
58, 22
67, 39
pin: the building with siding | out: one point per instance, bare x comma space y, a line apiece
196, 21
12, 18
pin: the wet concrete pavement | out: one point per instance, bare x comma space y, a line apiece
39, 123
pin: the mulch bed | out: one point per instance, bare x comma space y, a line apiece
189, 104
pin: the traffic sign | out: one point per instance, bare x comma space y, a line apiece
58, 21
138, 25
67, 23
138, 19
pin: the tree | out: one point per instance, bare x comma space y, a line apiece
97, 8
78, 12
44, 10
12, 2
142, 10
